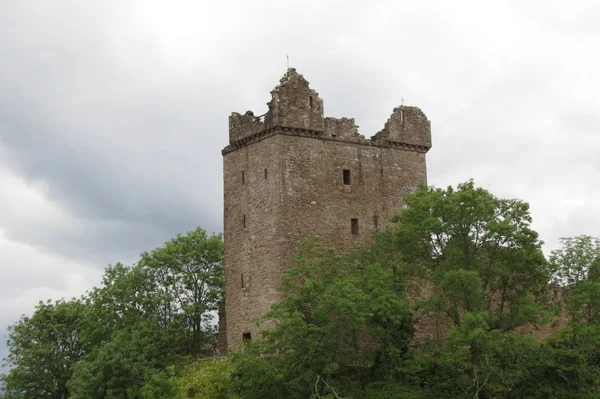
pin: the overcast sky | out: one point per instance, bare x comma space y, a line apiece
113, 113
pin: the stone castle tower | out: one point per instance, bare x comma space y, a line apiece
291, 174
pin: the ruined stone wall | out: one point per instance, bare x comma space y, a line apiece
252, 234
294, 175
318, 203
294, 104
433, 327
242, 126
303, 195
343, 128
407, 125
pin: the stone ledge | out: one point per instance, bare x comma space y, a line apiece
291, 131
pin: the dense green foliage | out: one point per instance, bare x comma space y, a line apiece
346, 328
122, 339
349, 326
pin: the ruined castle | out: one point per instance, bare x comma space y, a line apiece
291, 174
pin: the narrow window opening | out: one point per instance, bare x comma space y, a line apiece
243, 177
244, 221
242, 282
401, 115
246, 337
310, 101
347, 176
376, 222
265, 174
382, 173
354, 226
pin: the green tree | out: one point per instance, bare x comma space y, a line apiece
188, 275
125, 298
130, 365
577, 270
479, 251
340, 327
149, 315
484, 268
206, 379
121, 337
573, 262
43, 349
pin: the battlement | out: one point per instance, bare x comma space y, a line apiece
407, 125
242, 126
297, 109
342, 128
293, 105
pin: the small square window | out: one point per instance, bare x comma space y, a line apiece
347, 177
246, 337
354, 226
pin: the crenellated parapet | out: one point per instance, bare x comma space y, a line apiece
293, 105
297, 109
407, 125
243, 126
342, 128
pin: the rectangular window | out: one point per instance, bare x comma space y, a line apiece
242, 282
246, 337
347, 176
243, 177
376, 221
310, 101
265, 174
244, 221
354, 226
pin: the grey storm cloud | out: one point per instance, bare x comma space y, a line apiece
113, 114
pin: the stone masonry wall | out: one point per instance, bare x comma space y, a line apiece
298, 175
242, 126
252, 234
407, 125
295, 104
303, 195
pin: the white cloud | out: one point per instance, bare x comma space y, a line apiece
26, 210
30, 275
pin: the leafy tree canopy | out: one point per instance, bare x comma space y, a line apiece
120, 339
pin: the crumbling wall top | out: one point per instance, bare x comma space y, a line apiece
242, 126
294, 104
342, 128
295, 107
407, 125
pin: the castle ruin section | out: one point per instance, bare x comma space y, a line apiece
293, 174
